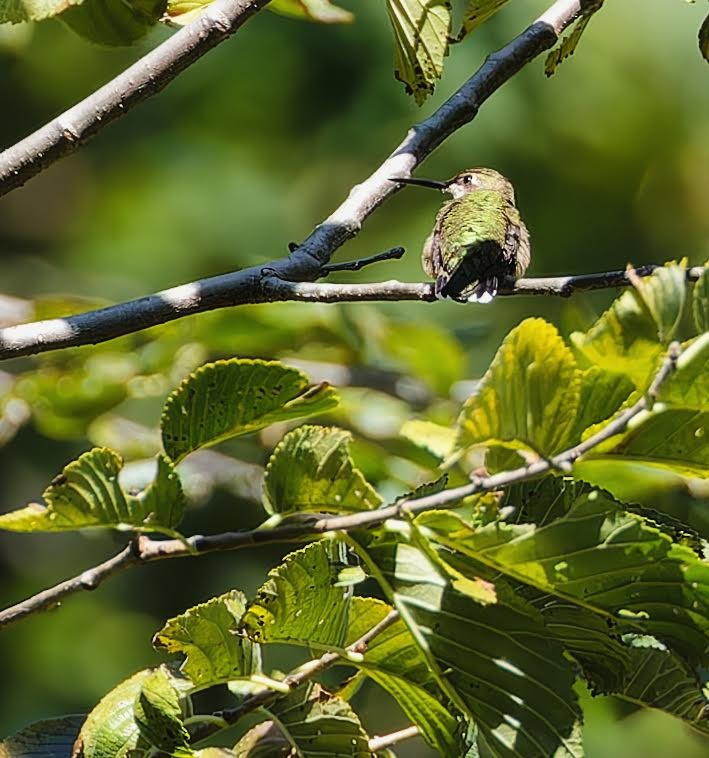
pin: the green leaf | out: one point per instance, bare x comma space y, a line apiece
206, 635
312, 470
704, 39
599, 555
421, 31
493, 660
230, 398
688, 386
438, 440
108, 22
159, 715
476, 14
570, 41
395, 662
308, 724
16, 11
529, 396
111, 729
87, 493
700, 298
301, 602
633, 333
49, 738
312, 10
602, 393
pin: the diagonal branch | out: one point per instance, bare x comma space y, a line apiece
145, 78
306, 261
267, 286
145, 550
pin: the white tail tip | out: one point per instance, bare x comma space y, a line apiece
483, 299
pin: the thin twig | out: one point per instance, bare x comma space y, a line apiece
145, 78
144, 549
305, 263
388, 255
303, 674
387, 740
268, 285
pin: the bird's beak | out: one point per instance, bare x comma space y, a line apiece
430, 183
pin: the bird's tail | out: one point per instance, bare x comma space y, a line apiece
481, 292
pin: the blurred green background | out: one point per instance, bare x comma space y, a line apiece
246, 151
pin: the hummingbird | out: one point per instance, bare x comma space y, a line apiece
478, 239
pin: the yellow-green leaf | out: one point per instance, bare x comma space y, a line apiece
700, 298
312, 10
108, 22
476, 14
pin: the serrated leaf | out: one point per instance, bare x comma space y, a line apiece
598, 554
87, 494
476, 14
494, 660
437, 439
704, 39
112, 23
111, 729
700, 296
312, 10
421, 31
16, 11
158, 713
49, 738
311, 469
529, 396
301, 602
632, 334
235, 397
570, 41
396, 663
206, 635
688, 385
309, 724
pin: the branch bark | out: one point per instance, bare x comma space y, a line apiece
305, 263
145, 78
145, 550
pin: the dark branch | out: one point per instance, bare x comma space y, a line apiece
145, 550
388, 255
305, 263
266, 285
145, 78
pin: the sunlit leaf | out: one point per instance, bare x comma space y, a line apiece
312, 470
421, 31
438, 440
309, 724
230, 398
206, 635
688, 385
570, 41
159, 715
601, 394
49, 738
108, 22
529, 396
313, 10
476, 14
87, 493
700, 297
493, 660
301, 602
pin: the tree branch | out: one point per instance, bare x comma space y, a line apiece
377, 744
306, 261
144, 549
388, 255
267, 285
145, 78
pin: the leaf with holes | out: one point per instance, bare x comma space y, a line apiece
310, 724
158, 714
529, 396
568, 44
206, 635
230, 398
312, 470
421, 33
87, 494
476, 14
301, 603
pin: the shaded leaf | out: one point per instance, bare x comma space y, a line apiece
421, 31
87, 493
206, 635
159, 715
309, 724
107, 22
494, 660
301, 602
230, 398
476, 14
704, 39
49, 738
311, 469
700, 296
16, 11
529, 396
570, 41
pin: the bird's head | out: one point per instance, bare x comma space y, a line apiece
470, 180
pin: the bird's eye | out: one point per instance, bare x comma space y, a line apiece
468, 179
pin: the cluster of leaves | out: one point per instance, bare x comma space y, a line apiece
504, 600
